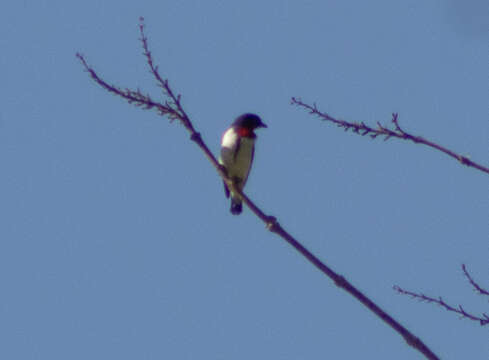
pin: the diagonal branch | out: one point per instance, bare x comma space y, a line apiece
362, 129
473, 283
172, 108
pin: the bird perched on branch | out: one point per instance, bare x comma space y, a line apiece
237, 151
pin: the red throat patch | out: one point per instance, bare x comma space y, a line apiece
242, 131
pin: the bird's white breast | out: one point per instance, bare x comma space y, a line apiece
237, 154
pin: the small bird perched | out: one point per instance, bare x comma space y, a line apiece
237, 150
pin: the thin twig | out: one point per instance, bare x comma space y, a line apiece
473, 283
483, 320
381, 130
174, 110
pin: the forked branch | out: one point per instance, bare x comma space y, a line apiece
482, 319
173, 109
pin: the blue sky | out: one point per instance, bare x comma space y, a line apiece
115, 235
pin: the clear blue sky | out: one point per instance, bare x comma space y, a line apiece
115, 237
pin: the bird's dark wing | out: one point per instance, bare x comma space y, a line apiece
236, 149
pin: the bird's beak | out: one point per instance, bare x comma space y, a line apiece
262, 125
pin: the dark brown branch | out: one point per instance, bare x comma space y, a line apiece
381, 130
483, 320
174, 110
473, 283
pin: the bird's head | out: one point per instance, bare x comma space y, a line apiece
247, 123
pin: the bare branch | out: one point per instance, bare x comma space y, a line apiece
483, 320
173, 109
133, 97
473, 283
397, 132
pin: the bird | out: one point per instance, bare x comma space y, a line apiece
237, 152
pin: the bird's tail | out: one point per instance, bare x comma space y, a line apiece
236, 206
